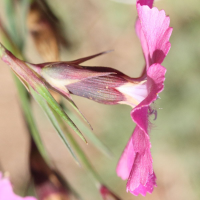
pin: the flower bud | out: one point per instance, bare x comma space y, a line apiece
101, 84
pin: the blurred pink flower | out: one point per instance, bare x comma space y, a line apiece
6, 191
107, 194
152, 27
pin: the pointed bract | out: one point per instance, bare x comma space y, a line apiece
81, 60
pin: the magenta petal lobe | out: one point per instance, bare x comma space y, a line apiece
141, 179
155, 84
141, 189
126, 161
154, 32
146, 2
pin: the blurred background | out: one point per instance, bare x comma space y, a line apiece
92, 26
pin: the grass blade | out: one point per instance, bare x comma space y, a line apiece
89, 134
50, 113
25, 103
42, 90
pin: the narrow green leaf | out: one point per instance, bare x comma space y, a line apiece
79, 152
8, 43
98, 143
25, 103
50, 113
24, 6
42, 90
79, 112
24, 97
9, 6
89, 134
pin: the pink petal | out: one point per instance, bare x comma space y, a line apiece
153, 29
134, 93
146, 2
137, 156
107, 194
6, 192
126, 161
141, 179
154, 32
155, 84
151, 183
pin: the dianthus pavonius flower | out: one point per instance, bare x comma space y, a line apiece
109, 86
152, 27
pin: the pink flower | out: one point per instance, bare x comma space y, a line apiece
107, 194
152, 27
6, 191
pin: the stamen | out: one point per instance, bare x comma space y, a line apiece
153, 112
